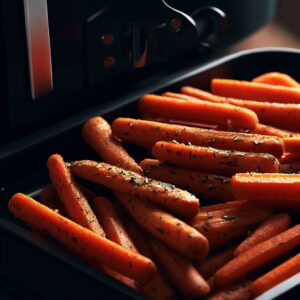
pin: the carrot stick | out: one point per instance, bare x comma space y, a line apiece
281, 115
211, 160
280, 273
112, 224
202, 184
258, 256
81, 240
147, 133
272, 131
120, 180
242, 204
50, 198
276, 78
157, 288
179, 96
255, 91
97, 133
274, 190
213, 262
195, 111
292, 144
173, 232
288, 158
75, 202
181, 273
270, 227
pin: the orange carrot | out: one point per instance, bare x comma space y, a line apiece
276, 78
111, 223
242, 204
97, 133
272, 131
75, 202
211, 160
202, 184
195, 111
213, 262
179, 96
181, 273
280, 273
292, 144
176, 234
255, 91
147, 133
81, 240
269, 228
281, 115
120, 180
288, 158
274, 190
258, 256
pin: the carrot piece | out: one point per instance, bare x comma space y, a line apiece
202, 184
157, 288
213, 262
160, 193
175, 233
195, 111
75, 202
288, 158
258, 256
274, 190
242, 204
272, 131
281, 115
50, 198
81, 240
270, 227
179, 96
255, 91
181, 273
97, 133
221, 162
280, 273
147, 133
292, 144
276, 78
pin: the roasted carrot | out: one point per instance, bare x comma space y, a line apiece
158, 288
213, 262
288, 158
281, 115
272, 131
195, 111
270, 227
280, 273
147, 133
242, 204
276, 78
258, 256
81, 240
292, 144
181, 273
123, 181
111, 223
221, 162
173, 232
97, 133
202, 184
76, 204
255, 91
179, 96
274, 190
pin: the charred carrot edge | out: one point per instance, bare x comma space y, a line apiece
277, 78
111, 223
173, 232
211, 160
202, 184
288, 158
147, 133
257, 256
97, 133
270, 189
193, 110
275, 276
158, 288
163, 194
270, 227
75, 202
292, 144
272, 131
81, 240
214, 262
281, 115
255, 91
181, 273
